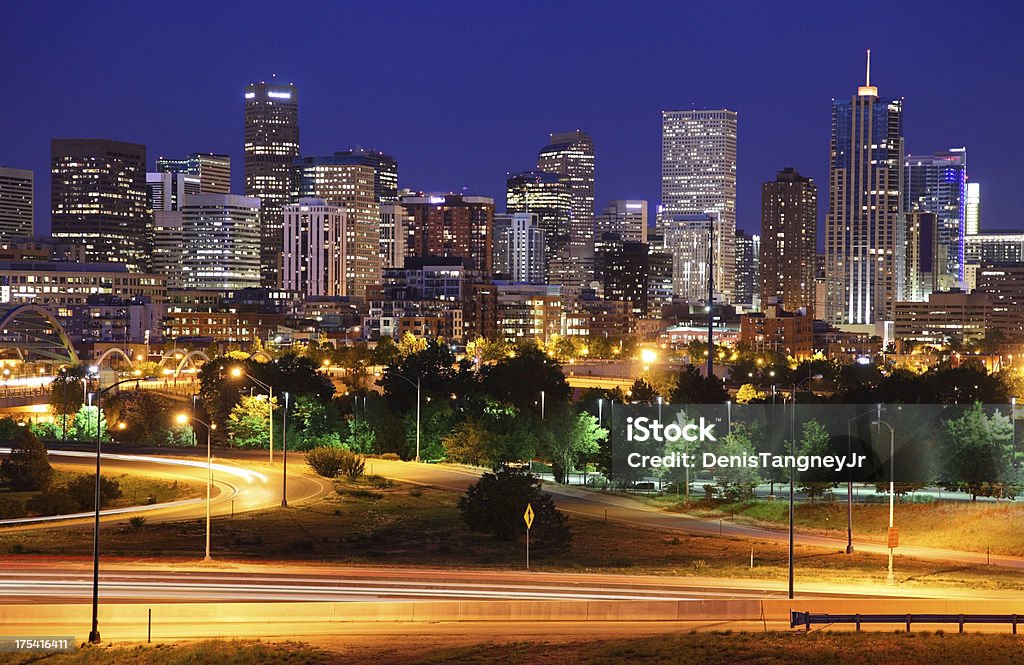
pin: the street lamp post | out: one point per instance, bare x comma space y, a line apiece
94, 634
600, 409
542, 405
792, 474
849, 481
284, 455
418, 402
892, 485
183, 419
238, 371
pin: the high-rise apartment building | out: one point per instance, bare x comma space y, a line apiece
625, 218
864, 231
687, 239
789, 239
220, 239
972, 209
519, 248
548, 196
16, 203
98, 199
748, 269
213, 170
451, 225
938, 184
315, 239
571, 156
394, 233
271, 144
349, 183
698, 175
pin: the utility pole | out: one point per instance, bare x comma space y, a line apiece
711, 296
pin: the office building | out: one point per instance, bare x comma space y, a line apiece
686, 239
950, 317
271, 144
351, 184
1004, 283
519, 248
98, 199
789, 240
385, 171
55, 284
16, 203
864, 229
315, 249
394, 232
528, 311
168, 190
994, 247
451, 225
640, 275
698, 163
938, 184
220, 239
212, 170
546, 195
779, 331
748, 269
972, 209
926, 258
571, 156
626, 218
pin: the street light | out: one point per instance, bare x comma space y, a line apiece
892, 484
239, 372
849, 481
792, 473
94, 634
183, 419
418, 402
284, 455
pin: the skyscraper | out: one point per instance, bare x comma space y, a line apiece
169, 190
349, 183
627, 219
789, 239
451, 225
748, 269
385, 171
220, 237
864, 231
698, 175
16, 203
315, 249
938, 184
687, 239
519, 248
571, 156
98, 199
271, 143
212, 170
546, 195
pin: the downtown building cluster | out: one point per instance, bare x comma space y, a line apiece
336, 246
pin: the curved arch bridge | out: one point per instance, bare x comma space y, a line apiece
31, 339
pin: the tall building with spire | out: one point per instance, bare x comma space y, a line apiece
865, 235
271, 143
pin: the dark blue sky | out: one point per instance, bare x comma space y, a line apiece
461, 92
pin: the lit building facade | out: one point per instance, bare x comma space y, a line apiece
626, 218
547, 196
98, 199
571, 156
212, 170
641, 275
748, 269
271, 144
220, 237
451, 225
17, 191
789, 238
519, 248
686, 239
315, 249
938, 184
972, 209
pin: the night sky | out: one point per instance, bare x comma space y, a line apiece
461, 93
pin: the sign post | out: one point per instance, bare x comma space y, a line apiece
528, 518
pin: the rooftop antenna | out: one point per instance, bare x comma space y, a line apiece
867, 74
867, 90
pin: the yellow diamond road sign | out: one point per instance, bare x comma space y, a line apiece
528, 516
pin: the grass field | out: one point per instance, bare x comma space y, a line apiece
955, 525
135, 490
377, 522
707, 648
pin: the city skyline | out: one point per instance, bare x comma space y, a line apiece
437, 157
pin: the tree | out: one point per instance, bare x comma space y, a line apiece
815, 441
694, 388
361, 437
571, 438
641, 391
66, 395
975, 456
521, 379
469, 443
748, 393
27, 469
737, 481
496, 504
249, 420
85, 425
146, 415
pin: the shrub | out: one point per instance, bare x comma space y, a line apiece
11, 508
57, 501
496, 505
326, 462
136, 522
83, 490
352, 465
27, 469
391, 457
